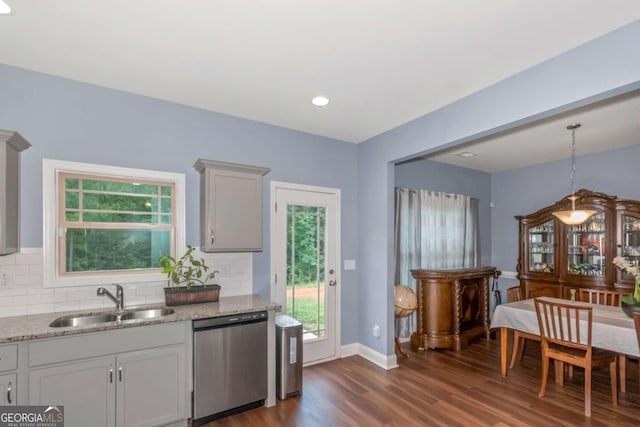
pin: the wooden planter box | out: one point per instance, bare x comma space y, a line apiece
196, 294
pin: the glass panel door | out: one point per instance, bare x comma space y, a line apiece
305, 253
586, 247
541, 248
306, 233
631, 241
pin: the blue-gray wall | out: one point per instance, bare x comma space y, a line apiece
593, 71
68, 120
436, 176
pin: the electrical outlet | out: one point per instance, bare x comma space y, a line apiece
376, 331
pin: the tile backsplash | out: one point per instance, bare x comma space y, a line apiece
22, 290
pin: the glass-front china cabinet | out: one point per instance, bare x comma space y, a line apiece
629, 237
555, 259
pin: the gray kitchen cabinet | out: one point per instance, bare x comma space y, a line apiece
131, 377
11, 144
86, 389
144, 388
230, 206
152, 388
8, 374
8, 385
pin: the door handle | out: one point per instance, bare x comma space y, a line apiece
120, 372
9, 393
111, 374
332, 282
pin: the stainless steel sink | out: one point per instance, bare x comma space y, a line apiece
146, 313
84, 319
97, 318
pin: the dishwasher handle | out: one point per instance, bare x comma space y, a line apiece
224, 321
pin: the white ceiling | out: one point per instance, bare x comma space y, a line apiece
606, 125
382, 63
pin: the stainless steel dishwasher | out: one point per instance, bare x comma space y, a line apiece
229, 365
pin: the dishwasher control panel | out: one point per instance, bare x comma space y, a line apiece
220, 321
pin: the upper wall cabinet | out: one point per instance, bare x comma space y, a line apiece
555, 257
230, 206
11, 144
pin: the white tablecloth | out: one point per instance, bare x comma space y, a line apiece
612, 329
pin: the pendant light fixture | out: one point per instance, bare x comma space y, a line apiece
573, 217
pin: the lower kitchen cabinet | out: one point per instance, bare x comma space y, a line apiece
8, 379
86, 389
132, 386
151, 387
144, 388
8, 388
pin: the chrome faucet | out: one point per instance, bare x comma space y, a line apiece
118, 299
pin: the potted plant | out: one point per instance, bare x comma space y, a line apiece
187, 279
629, 303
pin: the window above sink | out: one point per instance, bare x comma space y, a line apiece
107, 224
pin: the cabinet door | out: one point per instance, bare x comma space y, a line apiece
539, 289
85, 389
586, 247
151, 387
540, 246
232, 211
629, 245
11, 144
8, 391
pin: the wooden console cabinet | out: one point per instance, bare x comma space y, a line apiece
453, 307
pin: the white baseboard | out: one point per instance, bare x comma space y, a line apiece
382, 360
349, 350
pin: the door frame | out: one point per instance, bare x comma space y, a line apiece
275, 185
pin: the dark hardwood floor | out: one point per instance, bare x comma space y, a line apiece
445, 388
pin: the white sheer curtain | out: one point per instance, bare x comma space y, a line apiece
433, 230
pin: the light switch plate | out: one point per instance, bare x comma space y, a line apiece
349, 264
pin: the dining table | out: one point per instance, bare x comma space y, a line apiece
612, 329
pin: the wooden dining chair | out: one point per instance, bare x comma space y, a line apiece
601, 296
612, 298
519, 338
514, 294
565, 332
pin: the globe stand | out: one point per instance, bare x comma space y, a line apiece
405, 303
399, 348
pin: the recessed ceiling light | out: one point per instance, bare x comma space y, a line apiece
320, 101
466, 154
4, 8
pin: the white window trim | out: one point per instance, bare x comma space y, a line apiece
50, 170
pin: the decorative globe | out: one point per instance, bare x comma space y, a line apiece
405, 299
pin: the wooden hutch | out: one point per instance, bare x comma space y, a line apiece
453, 307
555, 258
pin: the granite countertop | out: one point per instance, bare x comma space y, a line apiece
35, 326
